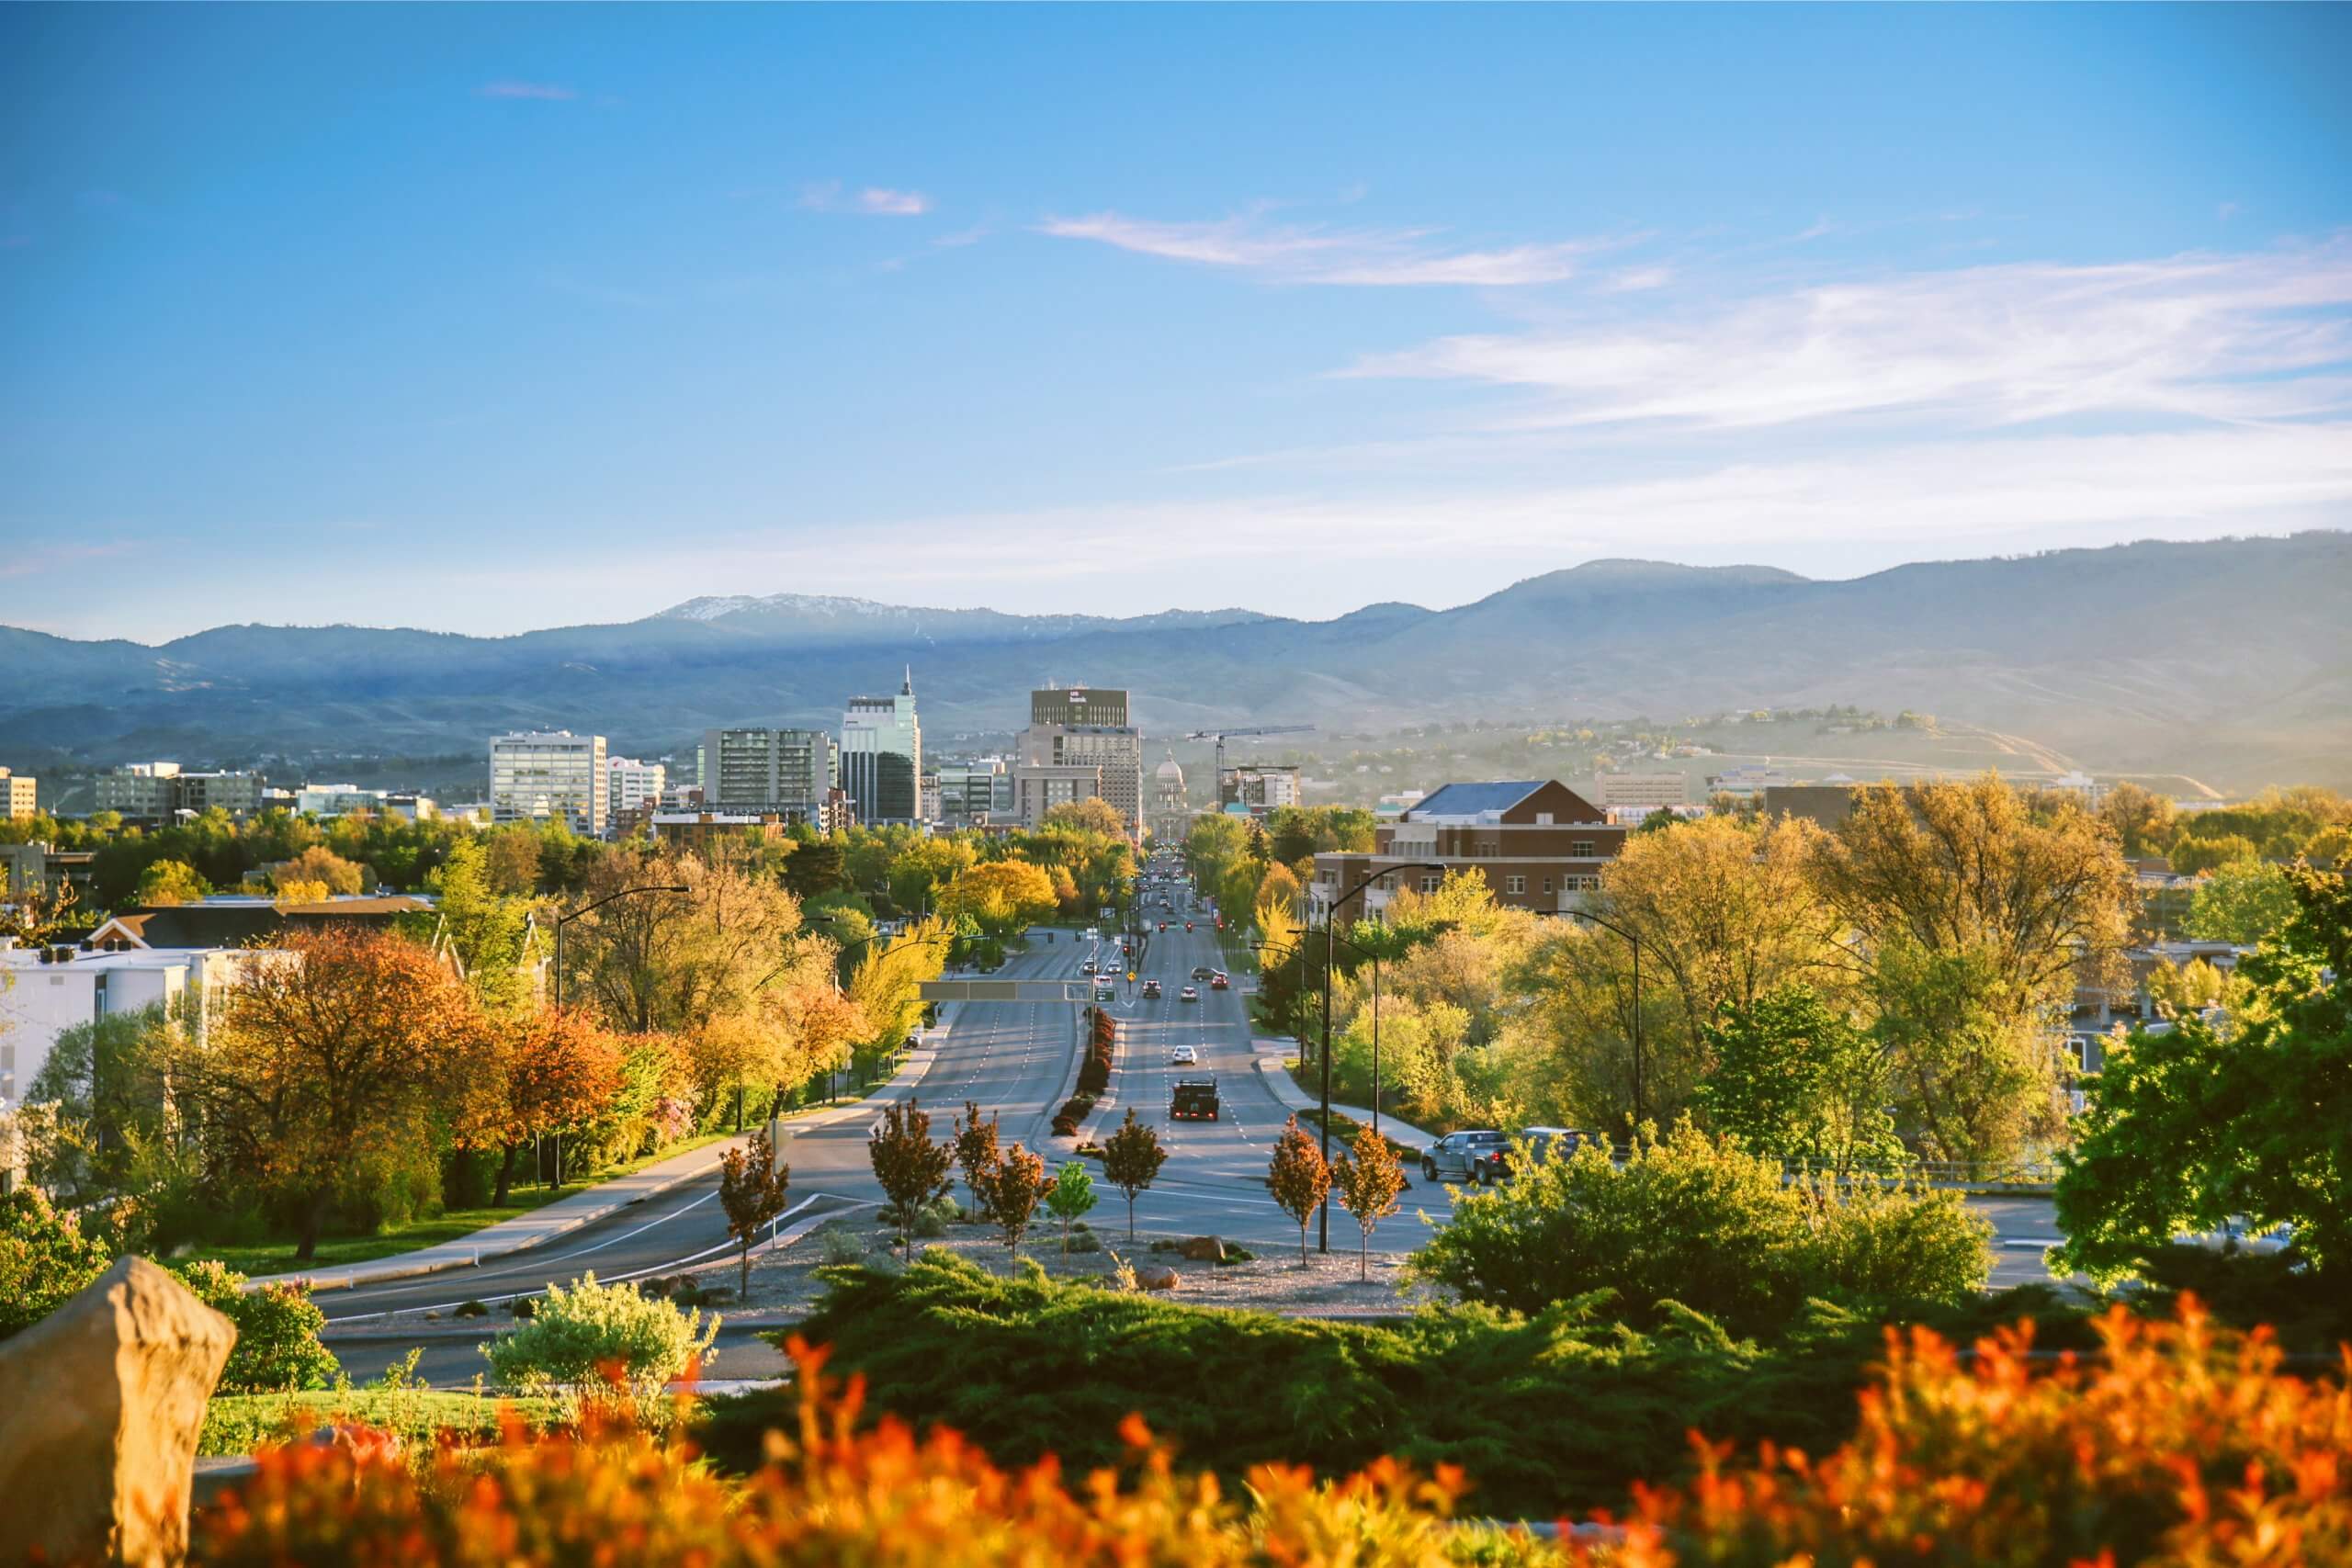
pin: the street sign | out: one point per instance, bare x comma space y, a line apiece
1131, 974
1004, 990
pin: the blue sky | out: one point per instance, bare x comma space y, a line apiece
482, 319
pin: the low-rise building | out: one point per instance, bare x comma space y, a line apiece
1261, 787
1827, 806
634, 783
1649, 790
154, 795
51, 989
698, 832
1746, 781
1038, 787
1538, 844
974, 792
536, 775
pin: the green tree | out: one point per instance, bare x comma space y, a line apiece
1794, 1078
2191, 857
44, 1258
753, 1189
2244, 901
1071, 1198
1093, 815
2201, 1124
483, 927
169, 882
1299, 1178
107, 1079
1131, 1160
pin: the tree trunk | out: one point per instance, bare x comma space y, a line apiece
1131, 1218
506, 1175
314, 1220
743, 1286
1302, 1244
1363, 1258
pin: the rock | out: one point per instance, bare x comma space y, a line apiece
1202, 1249
104, 1397
1156, 1277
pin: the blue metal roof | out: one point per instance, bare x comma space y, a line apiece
1475, 799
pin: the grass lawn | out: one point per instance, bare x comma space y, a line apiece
450, 1224
239, 1423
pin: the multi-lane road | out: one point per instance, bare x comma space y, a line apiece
1016, 1060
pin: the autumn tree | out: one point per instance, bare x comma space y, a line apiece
2143, 823
2241, 902
1131, 1160
752, 1190
1368, 1185
1093, 815
321, 866
327, 1046
975, 1144
1300, 1178
1011, 1191
910, 1167
1973, 912
1003, 895
536, 1073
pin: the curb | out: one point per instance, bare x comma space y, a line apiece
1285, 1089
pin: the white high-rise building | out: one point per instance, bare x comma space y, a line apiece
634, 783
881, 759
1078, 727
538, 774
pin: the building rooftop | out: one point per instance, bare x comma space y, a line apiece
1473, 799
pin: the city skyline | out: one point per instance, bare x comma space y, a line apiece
480, 321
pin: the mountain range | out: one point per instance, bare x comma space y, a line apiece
2150, 657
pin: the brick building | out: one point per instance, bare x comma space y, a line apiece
1539, 844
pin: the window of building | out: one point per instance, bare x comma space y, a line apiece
1581, 849
1582, 883
1429, 882
1514, 885
1547, 885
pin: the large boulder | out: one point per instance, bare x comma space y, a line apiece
1156, 1277
1202, 1249
103, 1400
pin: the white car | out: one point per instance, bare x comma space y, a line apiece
1189, 994
1184, 1056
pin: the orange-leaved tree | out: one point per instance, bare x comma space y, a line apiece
538, 1071
752, 1190
911, 1168
1011, 1191
1131, 1160
1300, 1179
975, 1146
1368, 1185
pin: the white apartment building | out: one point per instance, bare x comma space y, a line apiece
45, 991
1078, 727
1261, 787
634, 783
538, 774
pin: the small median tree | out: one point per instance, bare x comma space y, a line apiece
975, 1146
1300, 1178
911, 1168
1368, 1185
751, 1189
1071, 1196
1011, 1191
1131, 1160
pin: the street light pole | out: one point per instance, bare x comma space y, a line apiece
562, 920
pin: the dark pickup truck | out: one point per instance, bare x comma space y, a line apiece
1192, 1099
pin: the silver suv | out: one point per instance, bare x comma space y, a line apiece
1464, 1157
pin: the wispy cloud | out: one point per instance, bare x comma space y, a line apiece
971, 236
2260, 336
1309, 253
1635, 278
545, 92
873, 201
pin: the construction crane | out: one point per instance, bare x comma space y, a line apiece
1219, 737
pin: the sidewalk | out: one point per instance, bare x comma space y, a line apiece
1272, 1054
587, 1206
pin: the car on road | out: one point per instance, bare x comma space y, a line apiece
1189, 994
1188, 925
1151, 991
1202, 972
1220, 982
1184, 1056
1545, 1145
1192, 1099
1086, 968
1463, 1156
1163, 925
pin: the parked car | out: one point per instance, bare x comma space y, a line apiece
1189, 994
1184, 1056
1151, 991
1218, 982
1461, 1157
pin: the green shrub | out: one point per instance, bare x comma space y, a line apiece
44, 1258
841, 1246
240, 1423
471, 1309
1694, 1220
595, 1333
278, 1347
1563, 1412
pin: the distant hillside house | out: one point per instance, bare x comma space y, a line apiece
1539, 844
